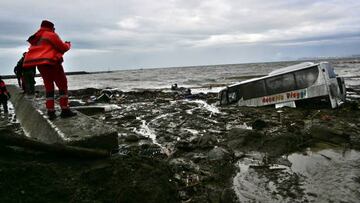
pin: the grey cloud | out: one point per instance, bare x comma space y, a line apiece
141, 31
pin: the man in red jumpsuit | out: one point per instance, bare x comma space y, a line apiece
46, 52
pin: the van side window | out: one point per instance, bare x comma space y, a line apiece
232, 97
234, 94
253, 89
281, 83
307, 77
331, 72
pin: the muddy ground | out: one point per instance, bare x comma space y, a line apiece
174, 147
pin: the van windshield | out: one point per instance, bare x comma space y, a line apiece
331, 72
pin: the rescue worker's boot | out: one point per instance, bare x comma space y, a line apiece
66, 113
51, 115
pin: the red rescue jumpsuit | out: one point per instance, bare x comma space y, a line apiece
46, 52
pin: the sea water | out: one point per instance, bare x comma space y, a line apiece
198, 78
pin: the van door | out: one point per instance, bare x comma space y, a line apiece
224, 97
342, 87
331, 84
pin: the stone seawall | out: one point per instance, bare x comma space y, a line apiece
80, 130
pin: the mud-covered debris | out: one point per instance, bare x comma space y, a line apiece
325, 133
197, 157
174, 87
151, 151
180, 90
326, 117
90, 110
218, 153
201, 96
293, 128
107, 91
104, 98
128, 117
132, 138
228, 195
238, 132
207, 141
76, 103
185, 146
87, 92
163, 100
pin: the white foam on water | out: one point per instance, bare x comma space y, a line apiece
353, 96
203, 104
146, 131
206, 90
78, 100
160, 117
242, 126
192, 131
111, 107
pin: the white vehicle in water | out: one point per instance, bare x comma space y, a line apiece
286, 86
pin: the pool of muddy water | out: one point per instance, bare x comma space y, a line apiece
315, 175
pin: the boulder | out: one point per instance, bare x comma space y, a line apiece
132, 138
258, 124
239, 132
228, 195
207, 141
218, 153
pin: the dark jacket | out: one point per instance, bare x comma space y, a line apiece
4, 94
19, 67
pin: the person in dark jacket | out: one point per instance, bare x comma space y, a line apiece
4, 95
46, 52
18, 72
26, 76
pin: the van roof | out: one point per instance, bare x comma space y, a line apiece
281, 71
292, 68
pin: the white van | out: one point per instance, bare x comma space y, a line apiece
285, 86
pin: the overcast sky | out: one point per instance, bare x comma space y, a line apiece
126, 34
